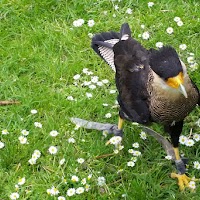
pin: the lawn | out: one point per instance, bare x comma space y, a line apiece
47, 65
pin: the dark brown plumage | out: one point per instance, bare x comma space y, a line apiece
153, 85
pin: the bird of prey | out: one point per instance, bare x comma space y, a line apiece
153, 86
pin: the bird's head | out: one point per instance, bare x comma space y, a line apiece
167, 65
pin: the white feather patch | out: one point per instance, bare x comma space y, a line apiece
125, 37
108, 54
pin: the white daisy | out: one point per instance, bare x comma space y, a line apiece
22, 139
168, 157
120, 147
90, 35
182, 46
88, 95
4, 132
159, 44
25, 132
115, 140
37, 153
129, 11
192, 185
85, 70
78, 22
177, 19
2, 145
91, 23
116, 7
48, 191
61, 198
86, 83
135, 145
100, 83
150, 4
196, 137
21, 181
101, 181
74, 178
170, 30
196, 165
108, 115
71, 192
180, 23
134, 159
189, 142
193, 66
105, 81
14, 196
136, 153
83, 181
92, 87
71, 140
32, 161
145, 35
70, 98
53, 133
143, 135
54, 191
34, 111
89, 176
77, 76
94, 79
80, 190
62, 161
87, 187
34, 157
116, 151
183, 139
131, 151
80, 160
113, 91
130, 164
53, 150
38, 124
190, 59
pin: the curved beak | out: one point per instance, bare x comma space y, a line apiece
183, 91
177, 83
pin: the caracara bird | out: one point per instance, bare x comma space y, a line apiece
153, 86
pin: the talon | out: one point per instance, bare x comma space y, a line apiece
183, 180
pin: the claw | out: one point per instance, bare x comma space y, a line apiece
183, 180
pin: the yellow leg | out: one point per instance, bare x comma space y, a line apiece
183, 179
176, 151
120, 123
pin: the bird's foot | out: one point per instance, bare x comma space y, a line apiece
116, 132
183, 181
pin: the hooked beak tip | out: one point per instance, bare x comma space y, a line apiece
183, 91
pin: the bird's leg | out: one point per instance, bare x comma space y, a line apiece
183, 179
177, 155
120, 123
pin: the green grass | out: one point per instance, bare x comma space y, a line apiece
40, 53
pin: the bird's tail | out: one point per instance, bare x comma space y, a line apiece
103, 43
